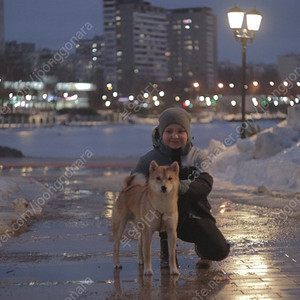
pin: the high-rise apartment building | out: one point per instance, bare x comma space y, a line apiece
110, 42
20, 60
193, 45
88, 59
135, 44
2, 37
146, 44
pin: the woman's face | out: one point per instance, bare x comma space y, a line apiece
174, 136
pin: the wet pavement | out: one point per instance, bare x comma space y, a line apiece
67, 253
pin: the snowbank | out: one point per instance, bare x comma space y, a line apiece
270, 160
11, 189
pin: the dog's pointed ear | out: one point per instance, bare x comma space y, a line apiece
153, 166
175, 166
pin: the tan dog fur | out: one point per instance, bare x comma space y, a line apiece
136, 200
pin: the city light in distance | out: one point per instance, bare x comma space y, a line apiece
186, 103
254, 101
109, 86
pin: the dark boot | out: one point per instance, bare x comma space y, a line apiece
203, 263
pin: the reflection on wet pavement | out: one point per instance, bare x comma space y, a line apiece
67, 253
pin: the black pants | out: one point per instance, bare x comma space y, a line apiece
204, 233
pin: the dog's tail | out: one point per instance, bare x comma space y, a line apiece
134, 179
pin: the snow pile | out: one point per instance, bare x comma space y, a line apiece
18, 204
9, 219
271, 158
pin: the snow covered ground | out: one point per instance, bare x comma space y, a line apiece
263, 170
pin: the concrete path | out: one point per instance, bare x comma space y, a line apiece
67, 254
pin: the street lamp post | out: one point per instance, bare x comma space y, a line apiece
244, 33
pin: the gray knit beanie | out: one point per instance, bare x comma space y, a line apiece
174, 115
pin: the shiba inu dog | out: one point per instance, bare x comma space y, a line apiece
152, 206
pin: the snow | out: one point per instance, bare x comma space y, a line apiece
17, 190
261, 170
271, 158
267, 165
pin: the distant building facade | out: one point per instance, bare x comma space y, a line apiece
20, 59
135, 44
110, 42
193, 45
88, 58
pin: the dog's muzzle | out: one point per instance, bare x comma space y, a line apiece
163, 188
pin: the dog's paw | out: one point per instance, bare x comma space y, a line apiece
118, 267
148, 272
174, 271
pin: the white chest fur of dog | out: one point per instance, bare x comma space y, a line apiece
152, 206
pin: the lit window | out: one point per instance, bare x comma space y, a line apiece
187, 21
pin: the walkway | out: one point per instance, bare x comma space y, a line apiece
67, 254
